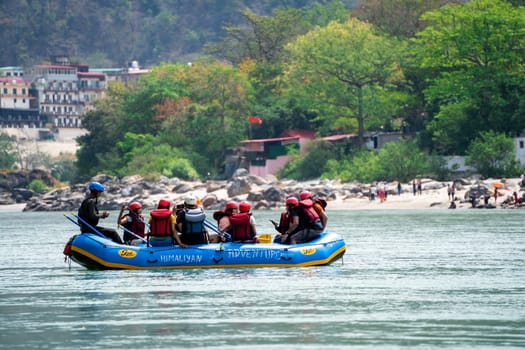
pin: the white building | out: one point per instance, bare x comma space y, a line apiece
519, 143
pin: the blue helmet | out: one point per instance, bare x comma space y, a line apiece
96, 186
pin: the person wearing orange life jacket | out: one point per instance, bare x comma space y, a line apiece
309, 221
133, 221
288, 223
190, 222
243, 225
162, 226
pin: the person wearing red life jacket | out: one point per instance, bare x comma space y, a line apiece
242, 225
319, 206
310, 225
162, 226
288, 223
190, 222
133, 221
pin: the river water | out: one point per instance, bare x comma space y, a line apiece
420, 279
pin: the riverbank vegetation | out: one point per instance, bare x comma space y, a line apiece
446, 74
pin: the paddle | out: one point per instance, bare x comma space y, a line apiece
133, 233
225, 235
87, 224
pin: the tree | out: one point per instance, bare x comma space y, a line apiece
474, 55
7, 152
261, 38
493, 155
343, 68
397, 17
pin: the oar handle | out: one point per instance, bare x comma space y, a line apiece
88, 225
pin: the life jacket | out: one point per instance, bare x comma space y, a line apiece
284, 222
136, 225
310, 215
160, 223
242, 230
194, 221
321, 202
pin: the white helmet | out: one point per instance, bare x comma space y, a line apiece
190, 200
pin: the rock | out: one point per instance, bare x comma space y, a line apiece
238, 186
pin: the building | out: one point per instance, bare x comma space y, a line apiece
65, 92
519, 143
268, 156
18, 101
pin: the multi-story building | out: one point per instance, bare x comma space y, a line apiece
67, 91
18, 102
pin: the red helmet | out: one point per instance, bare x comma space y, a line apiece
164, 204
134, 206
305, 195
231, 205
244, 207
292, 201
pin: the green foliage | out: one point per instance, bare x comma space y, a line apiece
474, 59
311, 165
493, 155
400, 161
113, 33
7, 152
340, 70
38, 186
64, 170
152, 158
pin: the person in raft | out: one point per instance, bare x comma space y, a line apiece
133, 221
242, 225
318, 204
310, 224
288, 223
162, 230
190, 222
89, 213
223, 220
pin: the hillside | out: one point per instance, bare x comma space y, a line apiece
102, 33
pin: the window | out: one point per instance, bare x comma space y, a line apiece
14, 91
521, 144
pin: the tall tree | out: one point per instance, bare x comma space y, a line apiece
341, 69
397, 17
475, 54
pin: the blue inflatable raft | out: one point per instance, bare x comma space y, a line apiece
98, 253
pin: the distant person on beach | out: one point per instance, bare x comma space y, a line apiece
133, 222
414, 187
399, 188
90, 215
419, 187
373, 192
289, 221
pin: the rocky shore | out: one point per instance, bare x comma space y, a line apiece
262, 193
